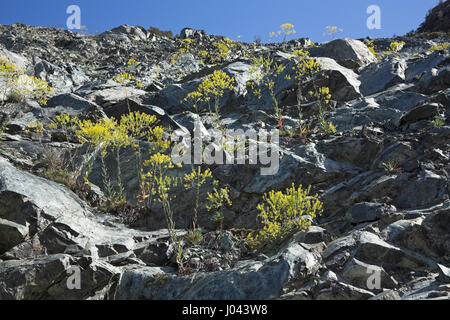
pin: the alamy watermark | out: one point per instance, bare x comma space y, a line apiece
228, 147
74, 280
374, 280
74, 20
374, 20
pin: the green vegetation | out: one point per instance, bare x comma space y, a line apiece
305, 70
211, 90
21, 87
194, 181
331, 31
439, 47
286, 30
394, 48
218, 200
284, 213
107, 140
371, 47
390, 166
129, 74
264, 71
162, 33
438, 122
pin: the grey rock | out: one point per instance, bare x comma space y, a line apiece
423, 112
365, 212
418, 66
427, 236
110, 96
369, 248
343, 82
64, 219
425, 288
397, 154
392, 221
48, 278
428, 189
251, 280
387, 295
378, 77
444, 273
343, 291
11, 234
192, 34
359, 274
72, 104
349, 53
126, 32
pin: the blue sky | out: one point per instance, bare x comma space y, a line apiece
248, 18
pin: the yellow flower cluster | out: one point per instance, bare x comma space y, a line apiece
306, 66
157, 183
130, 73
132, 126
371, 47
123, 77
9, 70
194, 98
219, 52
212, 88
286, 29
194, 181
322, 94
263, 73
440, 47
328, 127
34, 126
186, 46
196, 178
101, 132
139, 125
22, 86
396, 46
64, 121
159, 160
331, 31
283, 213
222, 50
218, 199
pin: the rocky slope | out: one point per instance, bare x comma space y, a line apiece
438, 19
394, 221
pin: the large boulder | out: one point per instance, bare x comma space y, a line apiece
421, 112
343, 82
371, 249
428, 236
126, 33
349, 53
192, 34
251, 279
419, 65
378, 77
62, 222
73, 105
110, 95
49, 278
